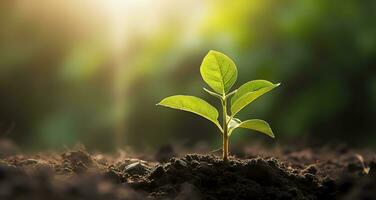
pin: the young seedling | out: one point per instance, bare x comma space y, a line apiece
220, 73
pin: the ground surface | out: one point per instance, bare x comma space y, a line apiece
325, 173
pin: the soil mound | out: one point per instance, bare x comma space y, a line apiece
77, 174
208, 177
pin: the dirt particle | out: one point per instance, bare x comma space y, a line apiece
137, 168
158, 172
74, 157
311, 169
29, 162
179, 163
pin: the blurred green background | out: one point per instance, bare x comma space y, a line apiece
91, 71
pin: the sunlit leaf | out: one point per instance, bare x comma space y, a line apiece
249, 92
192, 104
218, 71
256, 125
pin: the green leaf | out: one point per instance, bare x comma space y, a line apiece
256, 125
218, 71
249, 92
192, 104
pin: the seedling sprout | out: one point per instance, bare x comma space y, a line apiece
220, 73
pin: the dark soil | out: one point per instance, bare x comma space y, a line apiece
308, 173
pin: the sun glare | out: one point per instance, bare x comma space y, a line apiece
129, 17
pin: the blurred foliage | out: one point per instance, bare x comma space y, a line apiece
62, 81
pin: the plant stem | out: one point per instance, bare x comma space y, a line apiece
225, 130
